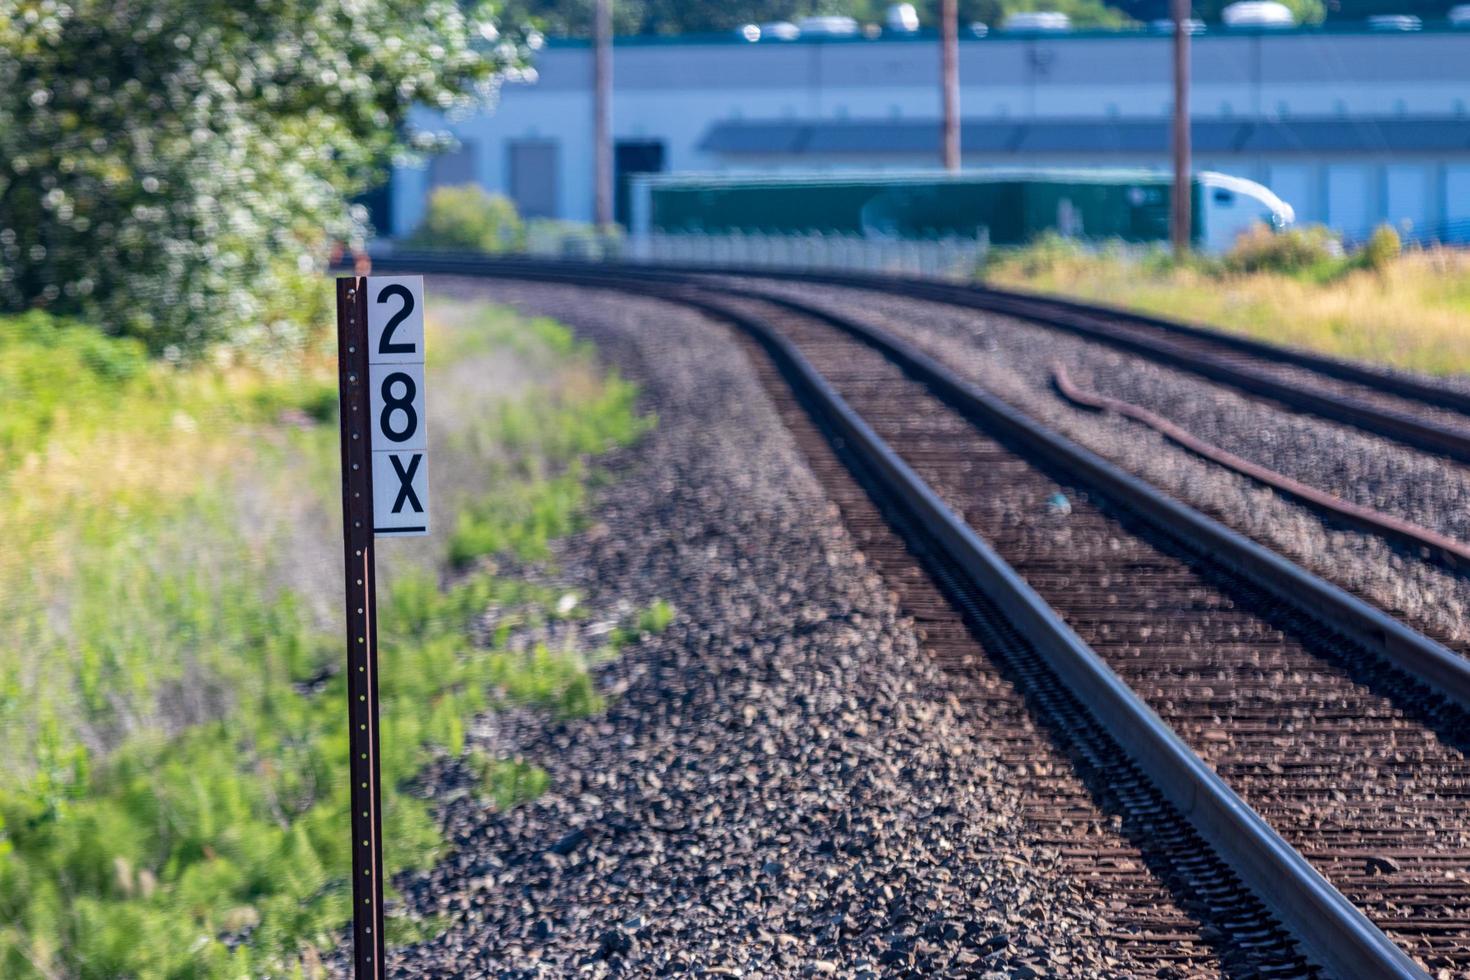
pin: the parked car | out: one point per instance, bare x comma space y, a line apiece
1165, 25
1394, 22
1037, 20
902, 18
831, 25
779, 30
1258, 13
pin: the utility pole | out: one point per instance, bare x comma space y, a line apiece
602, 114
949, 82
1179, 223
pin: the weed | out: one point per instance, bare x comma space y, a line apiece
649, 621
508, 782
656, 618
1381, 249
174, 794
1312, 252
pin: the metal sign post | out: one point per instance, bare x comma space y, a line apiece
380, 354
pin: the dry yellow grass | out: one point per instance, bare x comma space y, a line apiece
1414, 314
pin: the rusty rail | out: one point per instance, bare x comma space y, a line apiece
1454, 553
1336, 932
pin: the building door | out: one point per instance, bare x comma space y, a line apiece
633, 157
532, 167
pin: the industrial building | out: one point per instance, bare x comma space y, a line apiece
1351, 127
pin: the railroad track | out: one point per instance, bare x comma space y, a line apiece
1408, 410
1313, 712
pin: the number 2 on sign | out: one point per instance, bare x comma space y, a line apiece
396, 392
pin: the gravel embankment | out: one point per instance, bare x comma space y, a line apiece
782, 784
1013, 358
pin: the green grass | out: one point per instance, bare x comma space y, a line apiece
656, 618
544, 480
174, 792
508, 782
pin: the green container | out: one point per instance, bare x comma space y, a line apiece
1012, 208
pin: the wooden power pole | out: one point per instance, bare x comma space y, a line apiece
1179, 223
602, 175
949, 61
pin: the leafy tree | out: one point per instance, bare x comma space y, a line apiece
1084, 13
1349, 10
172, 169
574, 17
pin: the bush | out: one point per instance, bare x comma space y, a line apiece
172, 802
1044, 251
1381, 248
469, 218
170, 168
1295, 251
49, 366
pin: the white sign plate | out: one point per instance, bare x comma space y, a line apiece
400, 493
396, 396
395, 319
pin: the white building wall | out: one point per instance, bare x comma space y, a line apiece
673, 92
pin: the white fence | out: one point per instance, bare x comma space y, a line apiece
954, 257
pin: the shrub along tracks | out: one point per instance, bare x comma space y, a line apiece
1338, 750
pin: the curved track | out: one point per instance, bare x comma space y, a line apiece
1415, 410
1307, 727
1410, 410
1299, 714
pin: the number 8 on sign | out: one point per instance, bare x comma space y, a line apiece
395, 321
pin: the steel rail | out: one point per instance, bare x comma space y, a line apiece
1450, 551
1091, 322
1334, 931
1042, 307
1386, 381
1370, 627
1394, 384
1409, 651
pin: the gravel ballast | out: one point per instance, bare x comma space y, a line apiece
1013, 359
783, 783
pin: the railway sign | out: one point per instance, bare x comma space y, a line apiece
385, 491
395, 354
